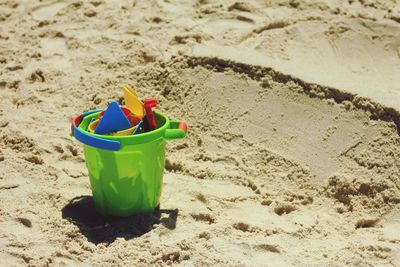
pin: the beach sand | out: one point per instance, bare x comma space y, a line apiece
292, 155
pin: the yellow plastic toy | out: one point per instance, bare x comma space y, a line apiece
132, 102
92, 126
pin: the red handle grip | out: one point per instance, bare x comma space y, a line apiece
182, 125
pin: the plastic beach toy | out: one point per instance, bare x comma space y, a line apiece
133, 119
93, 124
132, 102
113, 120
139, 128
150, 103
126, 172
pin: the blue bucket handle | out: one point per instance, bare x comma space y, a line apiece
94, 141
89, 139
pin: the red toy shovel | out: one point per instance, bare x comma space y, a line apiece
150, 103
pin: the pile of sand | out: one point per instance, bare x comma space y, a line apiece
293, 146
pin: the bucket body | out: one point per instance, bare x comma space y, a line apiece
129, 180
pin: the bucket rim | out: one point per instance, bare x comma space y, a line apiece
143, 137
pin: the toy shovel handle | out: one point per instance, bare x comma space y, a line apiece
176, 130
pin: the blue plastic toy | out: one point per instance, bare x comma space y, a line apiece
113, 120
139, 128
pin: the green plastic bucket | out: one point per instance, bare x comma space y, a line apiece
126, 172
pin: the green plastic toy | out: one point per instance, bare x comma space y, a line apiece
126, 172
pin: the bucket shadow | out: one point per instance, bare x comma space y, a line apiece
105, 229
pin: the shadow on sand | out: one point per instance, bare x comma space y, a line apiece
105, 229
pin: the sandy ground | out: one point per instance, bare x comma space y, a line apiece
293, 111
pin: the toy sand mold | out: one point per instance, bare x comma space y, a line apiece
126, 172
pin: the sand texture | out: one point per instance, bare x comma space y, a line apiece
292, 157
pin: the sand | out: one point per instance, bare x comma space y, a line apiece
293, 146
